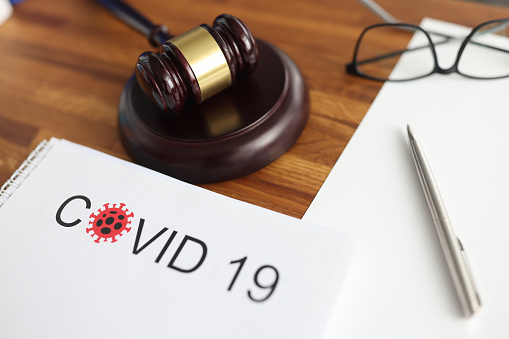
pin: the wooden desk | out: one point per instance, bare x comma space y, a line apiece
63, 65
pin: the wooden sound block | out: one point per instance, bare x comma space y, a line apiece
236, 132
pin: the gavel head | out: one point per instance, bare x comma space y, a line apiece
198, 64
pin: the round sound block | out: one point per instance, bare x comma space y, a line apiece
234, 133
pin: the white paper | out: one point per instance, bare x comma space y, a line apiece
5, 10
57, 282
400, 286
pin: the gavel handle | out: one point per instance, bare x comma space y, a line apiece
156, 34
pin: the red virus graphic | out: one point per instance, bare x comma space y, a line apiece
109, 222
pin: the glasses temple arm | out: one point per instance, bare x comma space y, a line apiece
396, 53
388, 55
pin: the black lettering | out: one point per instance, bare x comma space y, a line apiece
168, 242
61, 208
271, 287
241, 264
182, 244
138, 236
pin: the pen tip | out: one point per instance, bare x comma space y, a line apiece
410, 132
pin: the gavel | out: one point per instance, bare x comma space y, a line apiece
243, 129
196, 65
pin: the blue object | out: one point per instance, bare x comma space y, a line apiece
15, 2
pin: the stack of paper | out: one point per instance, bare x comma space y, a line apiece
95, 247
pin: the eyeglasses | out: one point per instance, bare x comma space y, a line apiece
483, 54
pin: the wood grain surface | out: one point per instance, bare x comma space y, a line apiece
64, 63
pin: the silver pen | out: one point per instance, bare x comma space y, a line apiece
451, 245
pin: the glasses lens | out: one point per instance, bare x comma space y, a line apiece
486, 55
382, 47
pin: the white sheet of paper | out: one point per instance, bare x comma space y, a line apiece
5, 10
400, 286
57, 282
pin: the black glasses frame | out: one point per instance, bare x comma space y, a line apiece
352, 68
